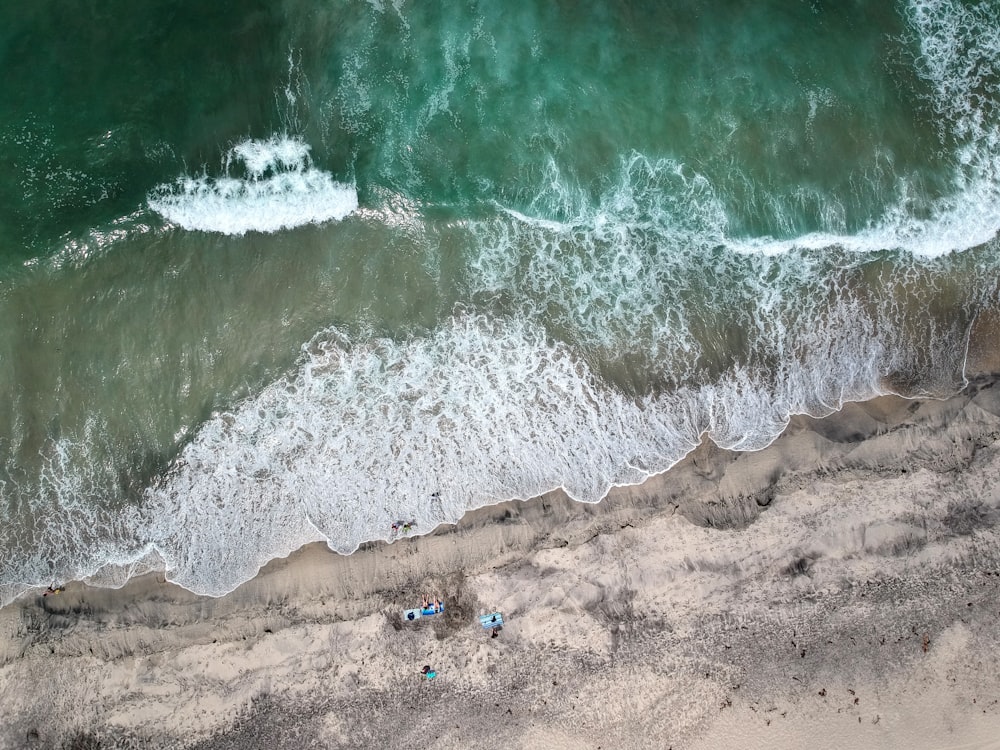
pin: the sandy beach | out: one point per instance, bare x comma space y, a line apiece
840, 588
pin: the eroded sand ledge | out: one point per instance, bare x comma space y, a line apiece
840, 588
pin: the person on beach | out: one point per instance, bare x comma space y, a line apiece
427, 672
438, 606
53, 589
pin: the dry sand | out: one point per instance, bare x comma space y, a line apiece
840, 589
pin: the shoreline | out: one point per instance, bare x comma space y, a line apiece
854, 536
981, 366
700, 488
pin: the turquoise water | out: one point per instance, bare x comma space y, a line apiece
277, 274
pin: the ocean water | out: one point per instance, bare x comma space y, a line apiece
274, 273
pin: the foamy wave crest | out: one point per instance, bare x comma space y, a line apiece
959, 55
965, 220
279, 188
363, 434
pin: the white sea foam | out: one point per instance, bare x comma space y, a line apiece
65, 532
965, 220
279, 188
612, 273
364, 432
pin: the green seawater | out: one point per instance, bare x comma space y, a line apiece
274, 273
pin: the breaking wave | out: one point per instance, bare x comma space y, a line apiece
279, 188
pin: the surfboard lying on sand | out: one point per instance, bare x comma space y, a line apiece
492, 620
